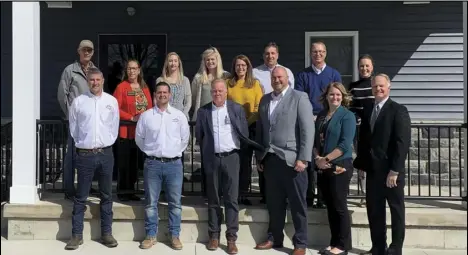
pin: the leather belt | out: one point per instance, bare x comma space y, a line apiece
95, 150
163, 159
225, 154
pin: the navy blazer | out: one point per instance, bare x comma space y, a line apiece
204, 129
340, 132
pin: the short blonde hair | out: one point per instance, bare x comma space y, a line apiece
346, 98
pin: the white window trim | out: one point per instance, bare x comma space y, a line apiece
353, 34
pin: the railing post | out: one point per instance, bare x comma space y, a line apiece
465, 80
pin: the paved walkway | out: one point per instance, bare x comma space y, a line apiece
38, 247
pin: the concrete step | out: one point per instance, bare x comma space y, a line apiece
51, 220
27, 247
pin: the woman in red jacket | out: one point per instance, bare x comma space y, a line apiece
134, 98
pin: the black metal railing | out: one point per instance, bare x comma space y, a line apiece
434, 165
6, 143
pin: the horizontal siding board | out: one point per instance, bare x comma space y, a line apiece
428, 77
433, 108
437, 55
428, 85
445, 39
439, 116
450, 93
431, 70
441, 47
427, 63
433, 101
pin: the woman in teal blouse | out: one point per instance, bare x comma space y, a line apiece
335, 128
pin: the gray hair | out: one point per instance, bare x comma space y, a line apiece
383, 76
218, 80
92, 71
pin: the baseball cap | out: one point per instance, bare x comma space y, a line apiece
86, 44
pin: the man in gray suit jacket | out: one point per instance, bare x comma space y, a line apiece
286, 129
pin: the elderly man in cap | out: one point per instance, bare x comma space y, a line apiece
72, 84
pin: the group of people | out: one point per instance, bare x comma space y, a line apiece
301, 131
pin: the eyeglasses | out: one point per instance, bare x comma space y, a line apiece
88, 50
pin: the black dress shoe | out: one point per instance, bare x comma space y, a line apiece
123, 198
69, 197
244, 201
134, 197
324, 250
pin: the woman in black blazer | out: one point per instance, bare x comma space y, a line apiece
334, 134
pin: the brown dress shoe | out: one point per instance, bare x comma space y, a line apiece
299, 251
176, 244
213, 244
232, 247
268, 245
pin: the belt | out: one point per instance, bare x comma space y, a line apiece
95, 150
163, 159
225, 154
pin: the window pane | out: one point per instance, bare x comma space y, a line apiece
339, 53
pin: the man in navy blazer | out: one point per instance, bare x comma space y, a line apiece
222, 130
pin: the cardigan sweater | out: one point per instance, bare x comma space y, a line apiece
131, 103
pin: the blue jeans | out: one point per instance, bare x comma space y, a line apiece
157, 175
69, 167
87, 163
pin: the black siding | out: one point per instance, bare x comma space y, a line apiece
389, 31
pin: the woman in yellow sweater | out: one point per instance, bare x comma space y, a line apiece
245, 90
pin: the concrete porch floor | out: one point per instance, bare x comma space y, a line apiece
54, 247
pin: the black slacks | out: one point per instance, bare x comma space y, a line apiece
223, 174
128, 165
245, 172
377, 193
282, 182
335, 189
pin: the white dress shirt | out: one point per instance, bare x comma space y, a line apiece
318, 71
225, 138
263, 74
275, 101
94, 120
162, 134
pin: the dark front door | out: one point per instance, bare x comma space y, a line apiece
116, 50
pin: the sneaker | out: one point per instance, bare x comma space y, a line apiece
176, 244
148, 242
74, 242
109, 241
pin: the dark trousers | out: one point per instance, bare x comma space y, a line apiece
282, 182
223, 173
377, 193
128, 165
69, 165
314, 181
87, 164
335, 189
261, 184
245, 173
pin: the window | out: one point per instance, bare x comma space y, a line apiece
342, 52
116, 49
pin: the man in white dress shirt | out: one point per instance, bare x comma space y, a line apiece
263, 74
94, 126
162, 133
222, 130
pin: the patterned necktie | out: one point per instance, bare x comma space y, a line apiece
374, 116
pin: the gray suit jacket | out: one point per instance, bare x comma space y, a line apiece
291, 133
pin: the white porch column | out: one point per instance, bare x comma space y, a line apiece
26, 100
465, 79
